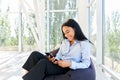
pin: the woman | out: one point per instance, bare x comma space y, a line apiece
74, 53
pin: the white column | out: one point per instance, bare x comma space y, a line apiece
20, 46
39, 6
82, 15
88, 19
42, 24
100, 25
48, 29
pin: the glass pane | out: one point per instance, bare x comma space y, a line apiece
56, 20
93, 27
112, 35
9, 31
62, 4
9, 5
27, 36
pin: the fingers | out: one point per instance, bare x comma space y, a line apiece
49, 58
64, 63
52, 59
55, 62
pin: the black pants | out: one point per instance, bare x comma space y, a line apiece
39, 67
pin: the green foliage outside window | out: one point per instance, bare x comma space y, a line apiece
114, 37
113, 40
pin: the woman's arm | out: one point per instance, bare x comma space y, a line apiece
85, 59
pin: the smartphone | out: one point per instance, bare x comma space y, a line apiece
51, 56
48, 54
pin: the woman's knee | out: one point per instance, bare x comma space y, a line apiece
35, 54
43, 61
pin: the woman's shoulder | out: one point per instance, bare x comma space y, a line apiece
85, 42
85, 45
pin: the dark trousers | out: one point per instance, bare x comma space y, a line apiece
39, 67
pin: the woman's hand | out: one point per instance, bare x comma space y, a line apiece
52, 59
64, 63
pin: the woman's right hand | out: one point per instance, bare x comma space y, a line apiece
52, 59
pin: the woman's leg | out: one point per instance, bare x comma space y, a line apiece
43, 68
32, 60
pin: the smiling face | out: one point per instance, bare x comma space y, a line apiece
69, 33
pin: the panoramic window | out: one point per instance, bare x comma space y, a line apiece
112, 35
16, 21
56, 14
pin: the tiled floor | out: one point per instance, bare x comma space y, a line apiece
11, 66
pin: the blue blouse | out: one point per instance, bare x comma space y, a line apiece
78, 53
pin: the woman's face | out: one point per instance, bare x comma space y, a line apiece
69, 33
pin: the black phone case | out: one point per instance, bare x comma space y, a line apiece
48, 54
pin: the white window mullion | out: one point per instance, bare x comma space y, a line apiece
100, 23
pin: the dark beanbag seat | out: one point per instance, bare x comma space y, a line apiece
79, 74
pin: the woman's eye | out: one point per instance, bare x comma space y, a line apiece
67, 31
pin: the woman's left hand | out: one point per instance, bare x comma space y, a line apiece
64, 63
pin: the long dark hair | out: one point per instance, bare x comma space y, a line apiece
79, 35
78, 32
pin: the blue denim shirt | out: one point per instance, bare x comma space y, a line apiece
78, 53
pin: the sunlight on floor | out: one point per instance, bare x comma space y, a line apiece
11, 65
15, 78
